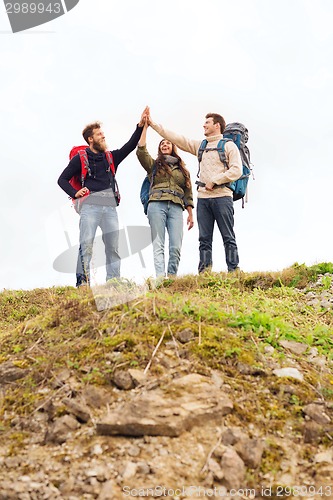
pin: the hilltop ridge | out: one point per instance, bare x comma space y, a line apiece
214, 381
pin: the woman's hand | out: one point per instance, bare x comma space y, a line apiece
189, 221
143, 137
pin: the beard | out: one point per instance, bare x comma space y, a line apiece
100, 146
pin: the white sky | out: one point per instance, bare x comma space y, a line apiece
268, 64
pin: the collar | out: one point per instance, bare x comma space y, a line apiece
95, 156
213, 138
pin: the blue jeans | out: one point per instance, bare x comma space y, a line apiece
166, 215
220, 210
92, 216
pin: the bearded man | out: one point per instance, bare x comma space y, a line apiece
100, 198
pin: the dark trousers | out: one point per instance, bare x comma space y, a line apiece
220, 210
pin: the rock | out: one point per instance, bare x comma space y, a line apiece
288, 372
324, 457
123, 380
129, 470
185, 336
138, 376
231, 436
287, 389
133, 451
295, 347
107, 491
233, 469
217, 379
49, 408
250, 451
313, 352
245, 369
317, 413
12, 462
97, 449
319, 361
79, 409
60, 378
96, 397
312, 432
269, 349
61, 430
9, 373
100, 472
326, 304
215, 468
191, 400
143, 468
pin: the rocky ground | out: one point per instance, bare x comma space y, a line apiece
173, 431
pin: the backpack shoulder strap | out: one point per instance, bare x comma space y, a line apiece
221, 150
109, 158
201, 149
153, 173
85, 169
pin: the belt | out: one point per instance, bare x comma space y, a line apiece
169, 191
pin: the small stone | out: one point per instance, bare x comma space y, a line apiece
130, 470
312, 432
233, 469
133, 451
185, 336
96, 450
317, 413
80, 410
123, 380
138, 376
143, 468
288, 372
324, 457
295, 347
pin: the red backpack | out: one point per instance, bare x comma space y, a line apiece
78, 182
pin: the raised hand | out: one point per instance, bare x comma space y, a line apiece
143, 119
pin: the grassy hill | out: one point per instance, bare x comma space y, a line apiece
243, 327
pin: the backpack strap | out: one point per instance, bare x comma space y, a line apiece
221, 151
109, 158
201, 149
112, 176
220, 148
85, 169
153, 173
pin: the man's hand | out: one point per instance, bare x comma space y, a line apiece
144, 117
210, 186
81, 192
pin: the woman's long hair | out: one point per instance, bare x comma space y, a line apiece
162, 164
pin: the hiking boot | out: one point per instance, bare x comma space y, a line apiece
236, 269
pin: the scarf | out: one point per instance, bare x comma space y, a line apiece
170, 160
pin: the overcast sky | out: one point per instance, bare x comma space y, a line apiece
266, 64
